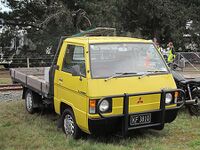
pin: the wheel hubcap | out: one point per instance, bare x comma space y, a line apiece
29, 102
69, 125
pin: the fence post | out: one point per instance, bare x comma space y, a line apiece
179, 58
28, 63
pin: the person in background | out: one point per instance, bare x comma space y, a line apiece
171, 52
162, 51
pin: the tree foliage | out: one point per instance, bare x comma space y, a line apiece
47, 20
163, 19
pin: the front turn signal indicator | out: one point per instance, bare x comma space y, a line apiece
92, 106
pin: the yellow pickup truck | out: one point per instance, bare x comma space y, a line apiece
103, 85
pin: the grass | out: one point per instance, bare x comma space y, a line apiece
20, 130
5, 81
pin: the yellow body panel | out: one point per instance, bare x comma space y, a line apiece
131, 85
106, 39
76, 92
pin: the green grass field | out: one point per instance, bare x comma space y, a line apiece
20, 130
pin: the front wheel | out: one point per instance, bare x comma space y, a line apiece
69, 126
195, 109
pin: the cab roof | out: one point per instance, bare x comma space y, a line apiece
105, 39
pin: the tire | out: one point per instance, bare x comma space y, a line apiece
69, 126
31, 98
194, 110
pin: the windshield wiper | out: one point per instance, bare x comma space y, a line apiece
156, 71
118, 74
149, 72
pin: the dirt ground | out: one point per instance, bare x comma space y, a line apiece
4, 76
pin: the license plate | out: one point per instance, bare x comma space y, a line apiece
140, 119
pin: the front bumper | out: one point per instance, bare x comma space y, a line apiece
115, 123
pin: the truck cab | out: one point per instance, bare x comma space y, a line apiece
113, 84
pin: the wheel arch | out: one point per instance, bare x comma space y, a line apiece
24, 92
82, 125
64, 106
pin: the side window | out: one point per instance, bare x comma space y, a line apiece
74, 57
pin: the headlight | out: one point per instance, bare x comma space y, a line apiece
104, 105
168, 98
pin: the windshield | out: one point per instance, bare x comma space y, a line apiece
134, 58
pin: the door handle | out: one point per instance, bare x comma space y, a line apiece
60, 79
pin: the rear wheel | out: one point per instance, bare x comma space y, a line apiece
69, 126
31, 99
195, 109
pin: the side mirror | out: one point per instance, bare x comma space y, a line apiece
76, 70
56, 67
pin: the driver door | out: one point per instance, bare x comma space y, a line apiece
71, 88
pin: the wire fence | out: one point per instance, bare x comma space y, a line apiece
188, 61
26, 62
